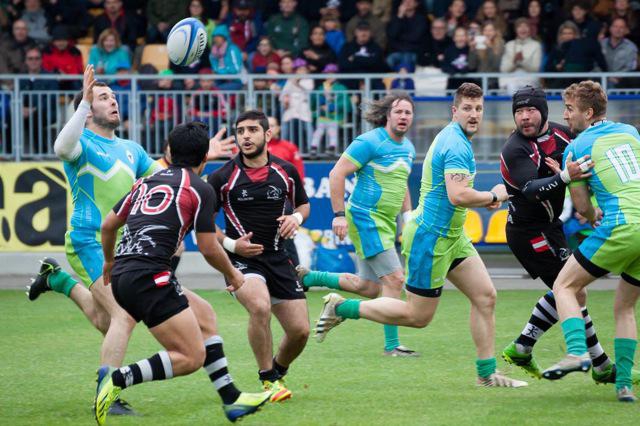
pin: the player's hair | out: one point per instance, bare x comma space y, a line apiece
588, 94
189, 143
78, 97
254, 114
376, 112
467, 90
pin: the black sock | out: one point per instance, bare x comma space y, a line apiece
268, 375
175, 261
158, 367
215, 364
544, 315
280, 369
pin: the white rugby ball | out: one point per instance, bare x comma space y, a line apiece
186, 42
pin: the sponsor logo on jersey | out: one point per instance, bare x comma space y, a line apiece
244, 196
130, 156
274, 193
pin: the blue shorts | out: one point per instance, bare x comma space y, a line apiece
84, 253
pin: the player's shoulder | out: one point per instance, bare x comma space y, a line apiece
561, 130
223, 172
287, 166
373, 137
197, 183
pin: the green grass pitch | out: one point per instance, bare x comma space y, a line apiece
49, 354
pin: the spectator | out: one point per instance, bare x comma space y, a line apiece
36, 18
217, 9
522, 55
206, 105
510, 9
486, 51
318, 55
38, 108
456, 59
225, 59
196, 10
542, 27
123, 22
14, 47
404, 82
578, 54
70, 13
283, 148
286, 67
288, 31
295, 101
432, 51
489, 12
406, 32
362, 56
455, 16
334, 36
588, 26
109, 53
263, 56
62, 58
245, 25
162, 16
382, 10
622, 9
555, 59
164, 111
330, 109
620, 53
365, 13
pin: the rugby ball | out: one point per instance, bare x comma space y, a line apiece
186, 42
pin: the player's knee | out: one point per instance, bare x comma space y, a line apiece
260, 311
422, 320
487, 300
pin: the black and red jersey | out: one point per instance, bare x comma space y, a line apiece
521, 162
253, 198
159, 211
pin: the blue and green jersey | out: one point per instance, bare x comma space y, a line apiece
451, 152
384, 166
615, 181
103, 173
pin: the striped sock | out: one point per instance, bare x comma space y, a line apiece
544, 315
215, 364
599, 359
158, 367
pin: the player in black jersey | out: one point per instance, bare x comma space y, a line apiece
156, 215
534, 230
254, 189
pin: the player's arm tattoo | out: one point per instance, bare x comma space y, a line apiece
459, 177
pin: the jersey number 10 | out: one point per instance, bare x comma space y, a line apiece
624, 162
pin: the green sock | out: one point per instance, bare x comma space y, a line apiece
350, 309
322, 279
575, 335
391, 339
486, 367
625, 350
61, 282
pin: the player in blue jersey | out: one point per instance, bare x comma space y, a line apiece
381, 159
436, 247
614, 246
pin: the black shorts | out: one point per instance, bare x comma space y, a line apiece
149, 297
276, 269
542, 252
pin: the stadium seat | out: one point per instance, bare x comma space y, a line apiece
473, 226
84, 49
496, 230
156, 55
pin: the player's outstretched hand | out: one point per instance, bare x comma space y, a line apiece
235, 280
339, 226
288, 226
245, 248
106, 272
88, 81
219, 147
573, 170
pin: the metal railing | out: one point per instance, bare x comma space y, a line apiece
30, 120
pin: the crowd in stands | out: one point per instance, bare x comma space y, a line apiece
444, 38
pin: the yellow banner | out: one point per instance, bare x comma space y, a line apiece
35, 206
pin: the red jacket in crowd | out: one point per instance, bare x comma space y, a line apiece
67, 61
288, 152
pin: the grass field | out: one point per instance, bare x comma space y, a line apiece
49, 354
